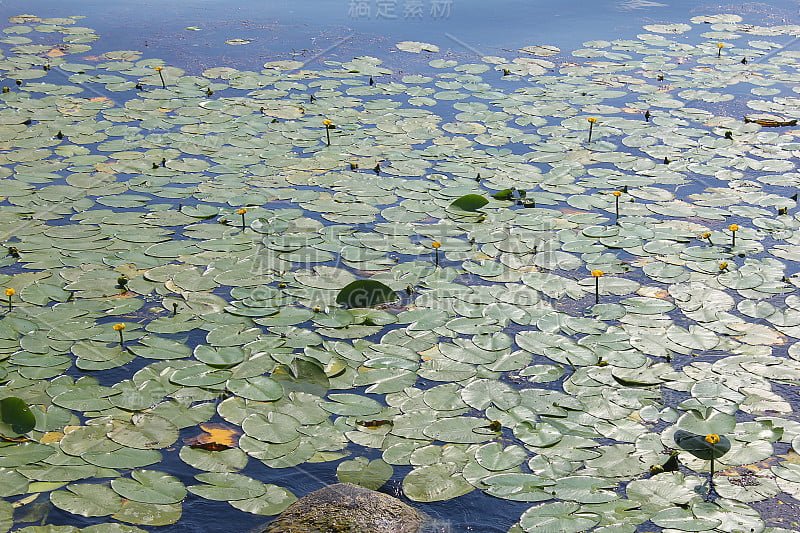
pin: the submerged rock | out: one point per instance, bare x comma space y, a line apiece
347, 508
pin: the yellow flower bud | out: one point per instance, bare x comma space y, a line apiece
119, 327
241, 211
712, 438
733, 227
436, 244
597, 273
592, 120
617, 193
159, 69
10, 292
327, 122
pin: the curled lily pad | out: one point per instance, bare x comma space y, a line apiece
365, 293
469, 202
16, 418
703, 446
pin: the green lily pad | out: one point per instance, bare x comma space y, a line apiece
274, 501
16, 418
87, 499
145, 432
365, 293
435, 482
469, 202
361, 471
150, 486
227, 487
699, 445
558, 516
230, 460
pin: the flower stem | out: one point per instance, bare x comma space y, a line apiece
711, 478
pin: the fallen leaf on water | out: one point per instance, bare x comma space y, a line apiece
217, 437
652, 292
51, 436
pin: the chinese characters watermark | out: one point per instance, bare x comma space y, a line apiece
415, 10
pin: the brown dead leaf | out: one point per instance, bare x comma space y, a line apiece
216, 437
51, 436
104, 167
652, 292
283, 111
791, 457
373, 423
123, 295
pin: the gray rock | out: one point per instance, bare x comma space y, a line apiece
347, 508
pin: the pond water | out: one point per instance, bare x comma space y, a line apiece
585, 210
